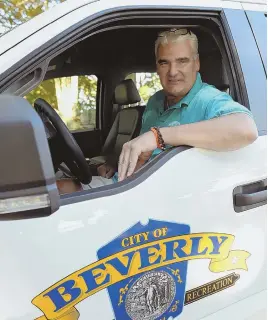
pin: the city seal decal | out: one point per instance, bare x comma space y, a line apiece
144, 270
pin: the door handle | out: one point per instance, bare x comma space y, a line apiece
247, 199
250, 196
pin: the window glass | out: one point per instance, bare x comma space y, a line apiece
74, 98
258, 22
146, 83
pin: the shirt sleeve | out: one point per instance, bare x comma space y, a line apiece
223, 104
145, 126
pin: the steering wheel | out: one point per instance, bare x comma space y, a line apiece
73, 157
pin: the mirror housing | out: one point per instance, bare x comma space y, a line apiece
27, 180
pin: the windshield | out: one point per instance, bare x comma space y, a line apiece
15, 12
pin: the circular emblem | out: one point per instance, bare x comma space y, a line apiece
150, 295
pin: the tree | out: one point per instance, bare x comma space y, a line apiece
74, 98
46, 91
147, 84
16, 12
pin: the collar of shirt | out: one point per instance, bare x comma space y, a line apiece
185, 101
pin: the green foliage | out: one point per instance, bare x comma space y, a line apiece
46, 91
84, 109
16, 12
86, 102
147, 84
87, 90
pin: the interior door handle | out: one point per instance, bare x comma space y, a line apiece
250, 196
247, 199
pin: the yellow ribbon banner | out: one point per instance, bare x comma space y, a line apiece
71, 314
58, 301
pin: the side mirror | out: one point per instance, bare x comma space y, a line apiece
27, 180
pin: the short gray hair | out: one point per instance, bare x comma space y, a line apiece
176, 35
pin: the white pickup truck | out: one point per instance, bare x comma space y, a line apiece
185, 236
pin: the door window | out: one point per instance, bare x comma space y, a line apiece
74, 98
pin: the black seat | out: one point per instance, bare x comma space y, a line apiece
213, 70
126, 125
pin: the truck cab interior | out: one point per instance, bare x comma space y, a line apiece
111, 54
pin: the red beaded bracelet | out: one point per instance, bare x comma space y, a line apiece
159, 139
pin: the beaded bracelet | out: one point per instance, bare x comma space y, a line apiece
159, 139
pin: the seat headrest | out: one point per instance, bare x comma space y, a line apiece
126, 93
213, 71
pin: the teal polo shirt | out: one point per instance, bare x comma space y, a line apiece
203, 102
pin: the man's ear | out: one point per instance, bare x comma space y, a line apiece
197, 63
156, 66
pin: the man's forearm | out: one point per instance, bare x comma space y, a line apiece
228, 132
225, 133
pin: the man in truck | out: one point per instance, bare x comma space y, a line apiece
186, 112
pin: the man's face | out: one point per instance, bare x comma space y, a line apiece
177, 68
